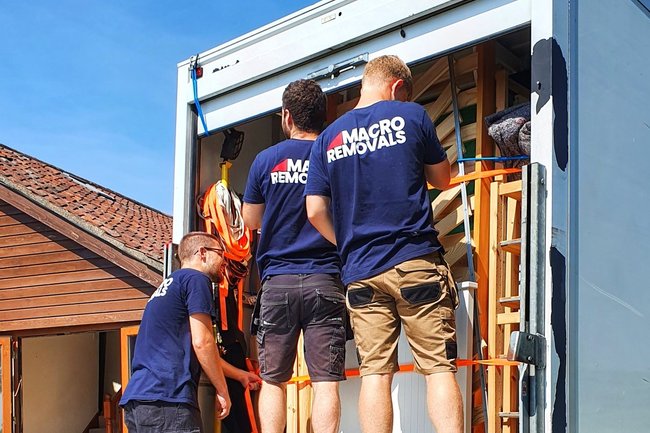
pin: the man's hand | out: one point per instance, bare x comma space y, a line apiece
222, 405
249, 380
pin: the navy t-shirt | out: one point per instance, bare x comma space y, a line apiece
370, 162
289, 244
165, 367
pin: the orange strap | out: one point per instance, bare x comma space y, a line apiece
223, 294
480, 175
217, 221
353, 372
249, 400
240, 304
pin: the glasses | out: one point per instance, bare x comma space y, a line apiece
216, 250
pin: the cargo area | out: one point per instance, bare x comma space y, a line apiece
490, 77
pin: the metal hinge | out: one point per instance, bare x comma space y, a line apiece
527, 348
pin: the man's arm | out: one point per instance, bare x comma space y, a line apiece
246, 378
252, 214
205, 348
438, 175
318, 212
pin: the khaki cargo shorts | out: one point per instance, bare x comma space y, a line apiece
420, 295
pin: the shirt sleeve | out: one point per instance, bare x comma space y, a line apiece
317, 177
199, 295
253, 193
433, 151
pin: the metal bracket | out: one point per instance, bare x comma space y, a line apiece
527, 348
333, 71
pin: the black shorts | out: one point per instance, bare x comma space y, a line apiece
314, 304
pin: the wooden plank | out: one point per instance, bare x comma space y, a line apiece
435, 73
446, 127
511, 246
75, 299
511, 189
75, 309
493, 282
501, 90
5, 383
510, 302
44, 258
68, 322
57, 268
505, 318
23, 228
45, 247
31, 238
440, 106
467, 133
457, 251
451, 221
440, 203
15, 219
78, 287
7, 209
304, 390
66, 277
70, 230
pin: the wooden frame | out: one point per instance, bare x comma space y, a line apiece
5, 382
125, 364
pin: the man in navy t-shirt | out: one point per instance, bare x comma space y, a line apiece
367, 192
301, 289
174, 342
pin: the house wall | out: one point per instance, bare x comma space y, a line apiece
60, 383
50, 281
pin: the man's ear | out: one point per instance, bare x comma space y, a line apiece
398, 91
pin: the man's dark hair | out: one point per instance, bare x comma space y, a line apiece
307, 104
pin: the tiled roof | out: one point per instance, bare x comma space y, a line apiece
135, 228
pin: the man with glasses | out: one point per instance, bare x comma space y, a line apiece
175, 342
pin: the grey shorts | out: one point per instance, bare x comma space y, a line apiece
313, 304
161, 416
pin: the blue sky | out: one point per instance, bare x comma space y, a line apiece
90, 85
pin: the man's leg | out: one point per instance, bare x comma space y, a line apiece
326, 408
376, 326
375, 404
324, 318
277, 340
273, 407
426, 298
444, 402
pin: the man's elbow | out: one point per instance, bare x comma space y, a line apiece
314, 210
201, 343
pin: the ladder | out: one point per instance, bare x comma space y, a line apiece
504, 303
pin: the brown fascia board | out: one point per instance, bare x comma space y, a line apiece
82, 232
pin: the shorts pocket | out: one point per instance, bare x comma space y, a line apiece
337, 352
274, 311
358, 297
330, 306
422, 294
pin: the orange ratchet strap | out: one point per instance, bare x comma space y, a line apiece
353, 372
479, 175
